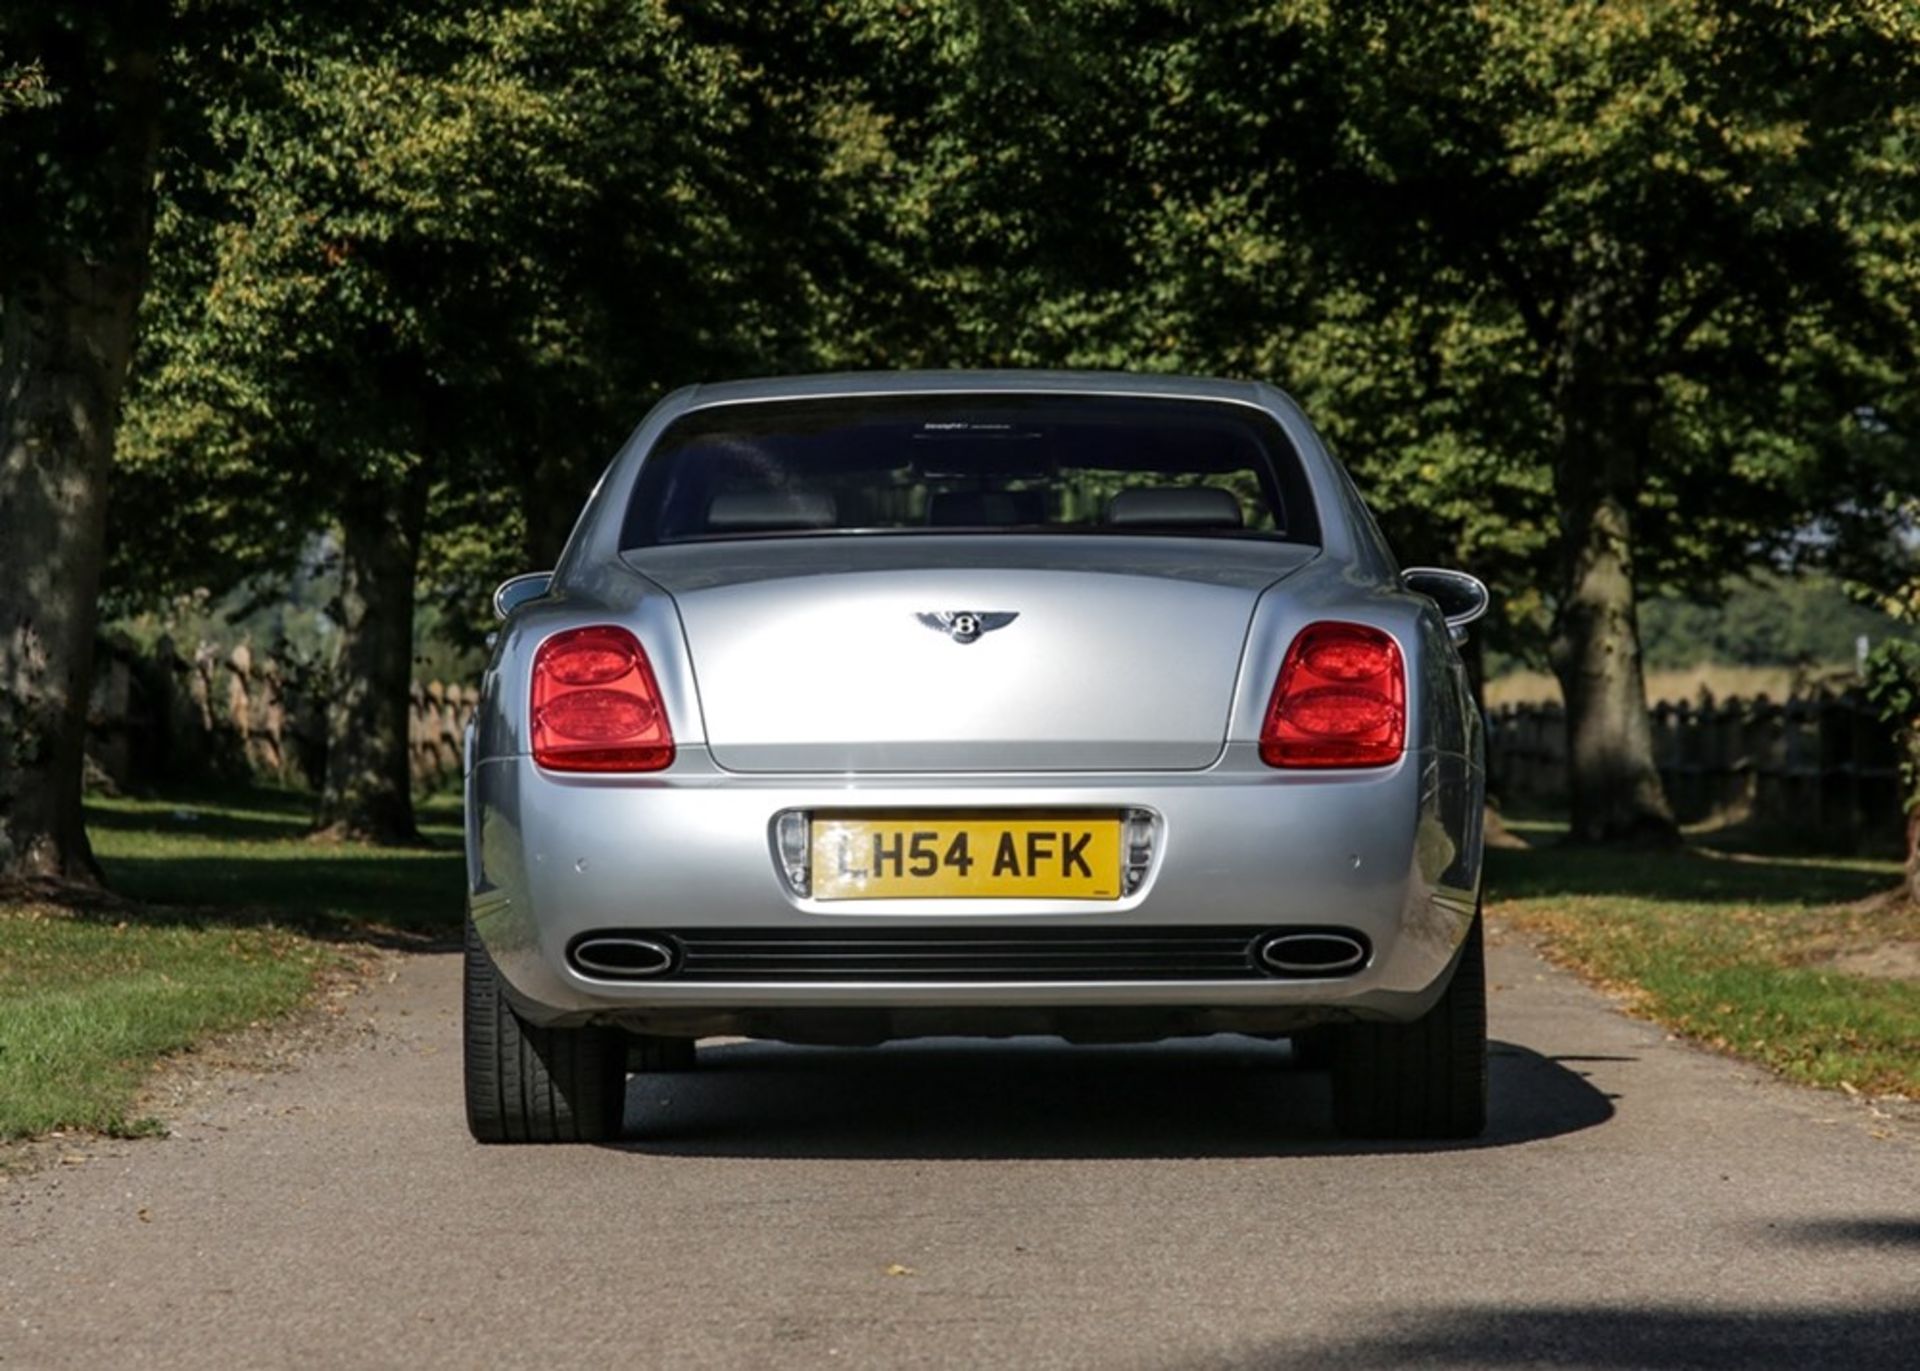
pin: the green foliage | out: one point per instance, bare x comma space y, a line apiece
460, 246
74, 103
1893, 680
1893, 683
481, 241
1766, 619
1679, 161
23, 86
1398, 213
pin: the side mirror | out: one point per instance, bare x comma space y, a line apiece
510, 594
1462, 598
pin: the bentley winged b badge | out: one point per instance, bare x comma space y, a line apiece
964, 625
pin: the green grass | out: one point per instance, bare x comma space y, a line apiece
1732, 950
88, 1003
237, 916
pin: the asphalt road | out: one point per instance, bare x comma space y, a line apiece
1636, 1204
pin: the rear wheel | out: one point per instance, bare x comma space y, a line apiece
1425, 1079
527, 1084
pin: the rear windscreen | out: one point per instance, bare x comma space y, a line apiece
971, 463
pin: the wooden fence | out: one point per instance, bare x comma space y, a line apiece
1824, 766
167, 715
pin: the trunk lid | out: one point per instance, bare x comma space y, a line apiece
829, 654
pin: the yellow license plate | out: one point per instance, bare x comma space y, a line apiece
917, 856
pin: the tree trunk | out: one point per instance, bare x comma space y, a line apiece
1605, 414
1913, 854
68, 301
369, 782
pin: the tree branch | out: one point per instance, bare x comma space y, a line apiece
1668, 353
1542, 327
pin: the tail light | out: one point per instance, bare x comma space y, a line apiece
1341, 700
596, 706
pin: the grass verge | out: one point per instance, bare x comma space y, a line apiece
1732, 950
231, 917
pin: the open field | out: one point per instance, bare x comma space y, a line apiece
232, 917
1740, 951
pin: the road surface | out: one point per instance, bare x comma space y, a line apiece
1637, 1203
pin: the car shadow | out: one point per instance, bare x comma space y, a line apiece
1634, 1338
1855, 1232
1032, 1098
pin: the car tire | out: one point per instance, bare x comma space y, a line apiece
651, 1052
1425, 1079
527, 1084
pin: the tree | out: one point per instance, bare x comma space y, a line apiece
80, 118
1893, 682
1553, 277
438, 253
1651, 191
300, 373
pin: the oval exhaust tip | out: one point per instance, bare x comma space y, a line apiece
1313, 954
622, 957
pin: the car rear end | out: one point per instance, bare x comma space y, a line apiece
867, 709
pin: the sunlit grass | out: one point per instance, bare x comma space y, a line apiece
1732, 949
88, 1002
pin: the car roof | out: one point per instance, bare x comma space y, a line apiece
929, 382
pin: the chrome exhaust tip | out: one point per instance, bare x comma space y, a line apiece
1312, 954
621, 957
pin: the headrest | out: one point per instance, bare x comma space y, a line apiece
1174, 507
752, 511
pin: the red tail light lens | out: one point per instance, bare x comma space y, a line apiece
1341, 700
596, 706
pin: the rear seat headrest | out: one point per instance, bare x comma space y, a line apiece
766, 510
1175, 506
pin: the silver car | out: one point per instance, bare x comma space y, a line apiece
875, 706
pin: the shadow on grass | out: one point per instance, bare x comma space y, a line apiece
1688, 874
254, 813
242, 856
412, 899
187, 821
941, 1098
1883, 842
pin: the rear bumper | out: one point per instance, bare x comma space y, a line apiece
551, 858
